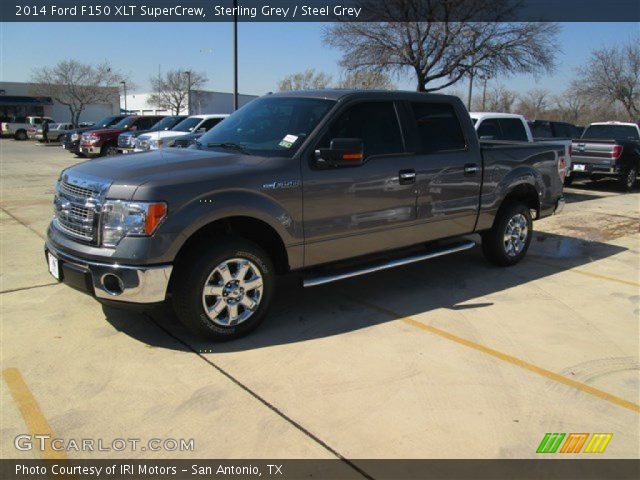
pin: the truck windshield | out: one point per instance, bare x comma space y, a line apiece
107, 121
124, 123
269, 126
188, 124
165, 124
616, 132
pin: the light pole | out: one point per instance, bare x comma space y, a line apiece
188, 74
235, 55
124, 87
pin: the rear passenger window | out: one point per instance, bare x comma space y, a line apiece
375, 123
489, 130
438, 128
512, 129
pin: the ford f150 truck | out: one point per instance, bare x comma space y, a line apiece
329, 184
71, 142
609, 149
104, 142
192, 124
127, 140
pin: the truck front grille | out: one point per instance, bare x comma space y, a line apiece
125, 140
77, 208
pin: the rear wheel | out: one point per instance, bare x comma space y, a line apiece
628, 178
508, 240
223, 290
568, 181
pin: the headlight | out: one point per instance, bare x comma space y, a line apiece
155, 144
137, 219
75, 137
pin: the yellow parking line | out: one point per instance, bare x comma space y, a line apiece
30, 410
621, 402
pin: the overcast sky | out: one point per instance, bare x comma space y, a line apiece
267, 51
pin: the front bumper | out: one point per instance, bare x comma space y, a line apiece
125, 150
113, 282
90, 150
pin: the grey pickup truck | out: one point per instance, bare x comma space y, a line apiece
608, 149
328, 184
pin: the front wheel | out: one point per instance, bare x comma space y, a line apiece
628, 178
21, 135
109, 151
223, 290
508, 240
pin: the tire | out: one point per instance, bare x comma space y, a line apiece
20, 135
109, 150
628, 178
60, 138
203, 268
568, 181
512, 217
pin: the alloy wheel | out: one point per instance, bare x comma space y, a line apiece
232, 292
515, 235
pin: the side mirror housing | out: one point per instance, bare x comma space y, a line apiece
342, 152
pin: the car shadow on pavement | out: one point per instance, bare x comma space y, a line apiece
580, 191
455, 282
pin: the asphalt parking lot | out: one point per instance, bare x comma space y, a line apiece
451, 358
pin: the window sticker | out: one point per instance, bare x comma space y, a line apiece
288, 141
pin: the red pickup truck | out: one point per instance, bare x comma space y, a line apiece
100, 143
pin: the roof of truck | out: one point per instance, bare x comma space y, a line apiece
494, 115
340, 93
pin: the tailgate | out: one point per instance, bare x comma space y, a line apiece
593, 151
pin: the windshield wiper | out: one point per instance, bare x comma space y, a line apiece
235, 146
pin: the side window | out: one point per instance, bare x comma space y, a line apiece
209, 124
438, 128
375, 123
541, 130
489, 130
512, 129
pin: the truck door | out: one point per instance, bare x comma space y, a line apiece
356, 210
448, 170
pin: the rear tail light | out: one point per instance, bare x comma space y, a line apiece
562, 168
616, 152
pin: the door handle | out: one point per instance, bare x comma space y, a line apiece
471, 169
407, 176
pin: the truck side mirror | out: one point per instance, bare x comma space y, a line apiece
342, 152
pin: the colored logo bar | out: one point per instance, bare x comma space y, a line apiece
574, 442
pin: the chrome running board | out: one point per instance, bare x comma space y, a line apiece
457, 247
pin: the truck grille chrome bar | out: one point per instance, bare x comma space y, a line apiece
77, 206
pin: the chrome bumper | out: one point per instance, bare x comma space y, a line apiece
123, 283
559, 206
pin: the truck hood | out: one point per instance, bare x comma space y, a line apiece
165, 134
164, 166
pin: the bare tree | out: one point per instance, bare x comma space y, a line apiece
534, 103
171, 90
613, 73
439, 53
77, 85
307, 80
571, 106
366, 80
501, 99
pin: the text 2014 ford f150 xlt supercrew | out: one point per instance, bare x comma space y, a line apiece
297, 181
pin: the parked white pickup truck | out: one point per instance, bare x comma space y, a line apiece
17, 127
165, 138
514, 127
